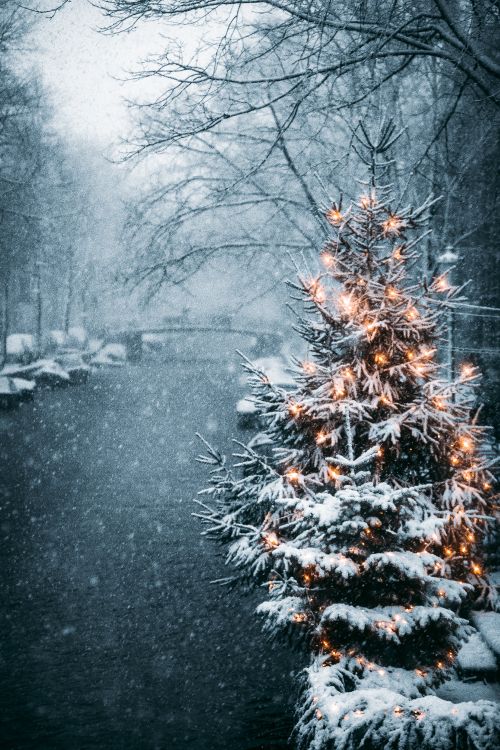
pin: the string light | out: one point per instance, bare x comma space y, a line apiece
327, 259
454, 460
412, 314
334, 216
309, 367
467, 371
441, 284
333, 473
293, 475
439, 403
299, 617
392, 225
317, 292
321, 437
392, 293
295, 409
398, 253
347, 373
486, 486
466, 444
346, 302
271, 540
476, 569
410, 354
380, 358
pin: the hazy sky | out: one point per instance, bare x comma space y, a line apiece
80, 68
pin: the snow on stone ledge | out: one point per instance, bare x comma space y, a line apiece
475, 656
488, 624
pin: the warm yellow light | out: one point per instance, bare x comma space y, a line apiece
397, 710
398, 253
412, 314
448, 551
295, 409
327, 259
380, 358
467, 370
420, 672
439, 403
486, 486
293, 475
441, 284
321, 437
463, 549
299, 617
346, 302
333, 473
366, 201
334, 216
476, 569
470, 536
392, 293
347, 373
439, 665
466, 444
392, 225
338, 390
454, 460
271, 540
309, 367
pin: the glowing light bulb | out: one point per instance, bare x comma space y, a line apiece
412, 314
397, 710
293, 475
466, 444
448, 551
410, 354
295, 409
347, 373
439, 403
271, 540
334, 216
454, 460
467, 371
392, 225
392, 293
309, 367
476, 569
334, 474
346, 302
441, 284
486, 486
321, 437
299, 617
380, 358
327, 259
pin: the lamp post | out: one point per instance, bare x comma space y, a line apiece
447, 260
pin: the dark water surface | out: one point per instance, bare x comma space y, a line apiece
111, 635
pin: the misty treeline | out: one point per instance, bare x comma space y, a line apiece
255, 126
48, 281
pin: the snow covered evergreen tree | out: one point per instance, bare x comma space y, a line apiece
365, 515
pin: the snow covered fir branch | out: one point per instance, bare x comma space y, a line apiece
364, 513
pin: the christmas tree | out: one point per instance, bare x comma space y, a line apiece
364, 516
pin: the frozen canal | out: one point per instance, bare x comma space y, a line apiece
111, 635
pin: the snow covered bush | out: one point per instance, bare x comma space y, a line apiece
364, 517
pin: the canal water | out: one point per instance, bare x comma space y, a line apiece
112, 635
